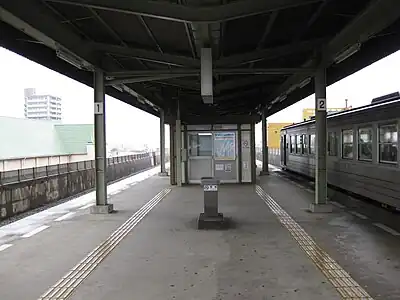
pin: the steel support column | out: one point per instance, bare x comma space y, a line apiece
172, 154
264, 145
163, 172
101, 207
253, 153
178, 145
321, 202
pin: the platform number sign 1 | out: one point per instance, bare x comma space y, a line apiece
321, 104
98, 108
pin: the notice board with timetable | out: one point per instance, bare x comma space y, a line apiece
225, 155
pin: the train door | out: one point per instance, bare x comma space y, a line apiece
283, 150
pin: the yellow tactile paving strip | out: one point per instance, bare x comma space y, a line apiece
346, 286
66, 285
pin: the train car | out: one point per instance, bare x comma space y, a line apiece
362, 150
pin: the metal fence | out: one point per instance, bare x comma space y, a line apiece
274, 156
20, 175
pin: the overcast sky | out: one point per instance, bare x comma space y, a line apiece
132, 127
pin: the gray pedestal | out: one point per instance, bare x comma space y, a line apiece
210, 218
212, 222
163, 174
320, 208
102, 209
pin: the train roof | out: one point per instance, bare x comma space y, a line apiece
395, 97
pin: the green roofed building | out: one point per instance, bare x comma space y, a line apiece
26, 143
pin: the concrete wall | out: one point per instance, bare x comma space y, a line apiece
19, 197
35, 162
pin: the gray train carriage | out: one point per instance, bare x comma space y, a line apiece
362, 150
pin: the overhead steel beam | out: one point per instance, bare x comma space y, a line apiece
238, 95
176, 71
150, 34
189, 36
190, 40
376, 17
33, 21
263, 71
243, 82
142, 79
146, 55
269, 53
181, 13
362, 28
112, 32
109, 29
268, 28
185, 84
215, 119
223, 71
312, 20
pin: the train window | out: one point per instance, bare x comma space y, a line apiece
305, 144
298, 144
347, 145
332, 144
292, 143
365, 143
312, 144
388, 143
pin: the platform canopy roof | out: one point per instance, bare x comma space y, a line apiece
264, 52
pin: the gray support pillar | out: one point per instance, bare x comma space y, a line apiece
163, 171
240, 158
264, 145
178, 144
253, 153
172, 154
101, 207
320, 204
178, 149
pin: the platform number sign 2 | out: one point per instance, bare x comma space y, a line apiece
98, 108
321, 104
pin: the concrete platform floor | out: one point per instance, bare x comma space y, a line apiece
368, 252
157, 252
166, 257
36, 262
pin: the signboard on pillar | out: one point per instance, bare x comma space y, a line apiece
98, 108
206, 75
321, 104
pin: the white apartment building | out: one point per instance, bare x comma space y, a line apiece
42, 107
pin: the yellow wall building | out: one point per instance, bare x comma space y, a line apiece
274, 134
274, 129
310, 112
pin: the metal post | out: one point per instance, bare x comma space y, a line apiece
253, 153
178, 149
320, 204
264, 145
172, 154
101, 206
163, 172
240, 158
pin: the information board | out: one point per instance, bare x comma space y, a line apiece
224, 146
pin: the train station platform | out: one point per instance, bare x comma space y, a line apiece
151, 249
